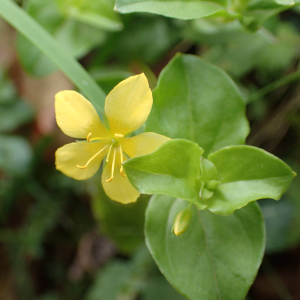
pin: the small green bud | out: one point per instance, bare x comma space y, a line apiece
212, 184
182, 221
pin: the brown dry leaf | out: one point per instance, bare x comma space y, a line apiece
7, 45
40, 92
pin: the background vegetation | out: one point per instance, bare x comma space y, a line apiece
57, 242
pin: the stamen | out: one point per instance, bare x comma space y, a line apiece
108, 155
89, 137
118, 135
112, 167
85, 166
121, 168
98, 139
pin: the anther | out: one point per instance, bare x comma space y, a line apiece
89, 137
122, 171
112, 167
85, 166
119, 135
81, 167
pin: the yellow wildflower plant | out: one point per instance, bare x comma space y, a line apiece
127, 108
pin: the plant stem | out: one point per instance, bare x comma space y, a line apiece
273, 86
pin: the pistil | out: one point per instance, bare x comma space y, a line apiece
113, 145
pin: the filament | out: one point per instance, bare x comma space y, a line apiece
98, 139
112, 167
94, 139
121, 168
109, 151
94, 156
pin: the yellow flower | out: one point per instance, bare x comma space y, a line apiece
127, 107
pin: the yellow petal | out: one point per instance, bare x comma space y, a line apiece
128, 105
69, 156
142, 144
77, 117
119, 189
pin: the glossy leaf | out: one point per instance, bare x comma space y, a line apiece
175, 9
199, 102
246, 174
251, 13
171, 170
216, 258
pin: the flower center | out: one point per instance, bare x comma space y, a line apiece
114, 147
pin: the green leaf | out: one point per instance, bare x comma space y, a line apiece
15, 155
109, 281
181, 9
124, 224
246, 174
8, 93
171, 170
217, 257
75, 38
122, 279
158, 288
258, 12
285, 2
136, 40
230, 46
198, 101
98, 13
22, 22
14, 115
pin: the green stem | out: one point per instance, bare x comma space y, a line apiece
274, 85
27, 26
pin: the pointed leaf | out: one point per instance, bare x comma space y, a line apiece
215, 258
171, 170
246, 174
197, 101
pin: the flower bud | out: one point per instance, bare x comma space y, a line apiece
212, 184
182, 221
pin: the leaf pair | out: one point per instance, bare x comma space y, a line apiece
231, 177
216, 257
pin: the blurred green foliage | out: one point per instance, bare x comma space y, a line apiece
46, 217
